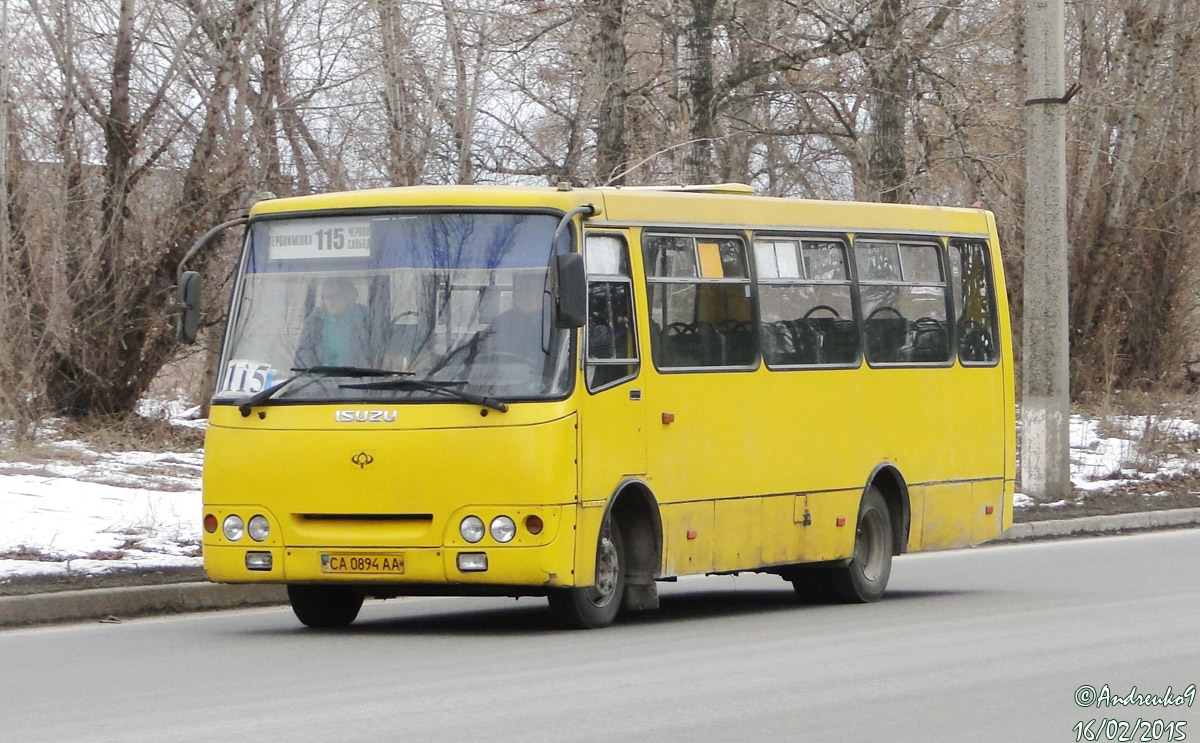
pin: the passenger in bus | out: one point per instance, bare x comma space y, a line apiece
337, 333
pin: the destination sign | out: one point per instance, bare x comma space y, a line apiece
319, 238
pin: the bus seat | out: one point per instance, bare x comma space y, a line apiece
839, 340
681, 346
737, 342
788, 343
710, 345
929, 341
886, 339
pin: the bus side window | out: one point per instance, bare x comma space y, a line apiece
903, 295
611, 343
806, 313
974, 304
700, 309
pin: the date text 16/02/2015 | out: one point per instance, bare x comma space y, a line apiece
1123, 730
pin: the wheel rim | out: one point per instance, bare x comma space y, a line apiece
868, 546
607, 569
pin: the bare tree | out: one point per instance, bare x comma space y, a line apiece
609, 55
98, 292
130, 125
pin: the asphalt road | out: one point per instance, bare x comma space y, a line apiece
979, 645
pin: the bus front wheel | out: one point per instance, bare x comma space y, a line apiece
865, 577
597, 605
325, 606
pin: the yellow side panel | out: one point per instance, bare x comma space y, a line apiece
739, 533
948, 516
782, 531
985, 526
684, 555
823, 538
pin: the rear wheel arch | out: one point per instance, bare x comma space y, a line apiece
892, 486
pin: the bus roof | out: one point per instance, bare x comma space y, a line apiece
726, 205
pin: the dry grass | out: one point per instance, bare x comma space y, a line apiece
1160, 441
133, 433
27, 553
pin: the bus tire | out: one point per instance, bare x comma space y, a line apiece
597, 605
325, 606
864, 578
811, 584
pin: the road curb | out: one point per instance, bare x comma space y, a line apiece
1097, 525
133, 601
177, 598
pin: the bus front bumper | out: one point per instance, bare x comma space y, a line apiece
547, 566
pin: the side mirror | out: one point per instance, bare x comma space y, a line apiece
189, 286
568, 290
188, 323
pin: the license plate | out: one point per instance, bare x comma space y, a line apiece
360, 563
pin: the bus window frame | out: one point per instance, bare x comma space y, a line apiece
650, 280
842, 239
585, 343
937, 241
993, 314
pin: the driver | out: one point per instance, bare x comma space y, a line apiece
518, 330
337, 332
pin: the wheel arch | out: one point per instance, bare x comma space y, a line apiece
887, 478
635, 510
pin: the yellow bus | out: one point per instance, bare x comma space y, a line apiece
579, 392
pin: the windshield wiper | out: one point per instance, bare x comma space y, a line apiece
445, 388
247, 403
350, 371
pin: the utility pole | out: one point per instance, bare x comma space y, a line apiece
5, 228
1045, 399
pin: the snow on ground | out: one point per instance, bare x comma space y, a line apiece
85, 511
92, 512
1136, 447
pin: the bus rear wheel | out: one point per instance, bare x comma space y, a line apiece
325, 606
865, 577
811, 584
597, 605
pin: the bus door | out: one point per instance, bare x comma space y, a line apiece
612, 414
980, 434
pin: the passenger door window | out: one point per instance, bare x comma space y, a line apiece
611, 341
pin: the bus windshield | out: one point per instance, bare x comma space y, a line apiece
453, 299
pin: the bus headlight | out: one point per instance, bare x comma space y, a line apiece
503, 529
471, 529
233, 528
258, 528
